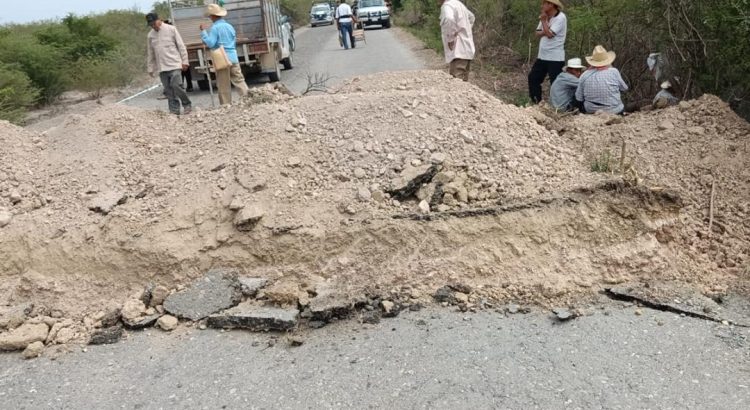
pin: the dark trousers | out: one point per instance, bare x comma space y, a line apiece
347, 35
187, 79
171, 81
540, 70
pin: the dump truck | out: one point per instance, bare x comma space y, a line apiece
264, 39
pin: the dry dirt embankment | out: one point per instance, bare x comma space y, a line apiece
313, 191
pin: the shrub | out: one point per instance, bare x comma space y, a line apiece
96, 74
43, 64
16, 93
77, 37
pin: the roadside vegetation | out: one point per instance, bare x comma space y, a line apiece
40, 61
705, 42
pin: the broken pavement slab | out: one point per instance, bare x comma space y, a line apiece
329, 304
105, 202
255, 318
106, 336
681, 299
219, 289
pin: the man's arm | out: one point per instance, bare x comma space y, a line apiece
210, 38
545, 30
579, 90
623, 87
448, 25
150, 58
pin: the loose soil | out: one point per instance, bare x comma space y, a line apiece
521, 217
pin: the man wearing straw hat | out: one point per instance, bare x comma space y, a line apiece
221, 34
562, 94
600, 86
552, 30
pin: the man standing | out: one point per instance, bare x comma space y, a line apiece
222, 34
345, 22
167, 56
562, 94
552, 30
456, 22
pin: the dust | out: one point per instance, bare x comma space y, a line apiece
317, 171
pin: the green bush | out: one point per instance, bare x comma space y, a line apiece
43, 64
96, 74
16, 93
77, 37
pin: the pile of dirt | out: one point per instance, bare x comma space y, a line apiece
396, 184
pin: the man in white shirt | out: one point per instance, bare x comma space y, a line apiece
456, 22
345, 23
552, 30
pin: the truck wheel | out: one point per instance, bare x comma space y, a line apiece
276, 75
292, 43
203, 85
387, 24
287, 62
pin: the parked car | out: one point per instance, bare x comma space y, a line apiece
370, 12
321, 14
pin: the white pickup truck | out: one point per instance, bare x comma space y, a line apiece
264, 40
373, 12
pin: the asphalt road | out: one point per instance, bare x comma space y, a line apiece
435, 358
317, 53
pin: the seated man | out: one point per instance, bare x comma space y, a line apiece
562, 95
600, 86
665, 97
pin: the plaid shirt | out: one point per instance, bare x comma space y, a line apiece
600, 89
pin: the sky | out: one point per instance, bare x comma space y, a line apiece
34, 10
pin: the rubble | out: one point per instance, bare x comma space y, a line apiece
108, 335
329, 304
33, 350
250, 286
247, 217
13, 316
22, 336
167, 323
217, 290
105, 202
255, 318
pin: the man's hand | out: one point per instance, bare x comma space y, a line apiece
185, 67
451, 45
203, 26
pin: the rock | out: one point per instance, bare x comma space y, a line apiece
33, 350
167, 323
461, 297
219, 289
666, 125
296, 341
364, 195
141, 322
14, 316
406, 113
158, 295
466, 136
371, 317
105, 202
133, 310
387, 306
5, 217
444, 295
359, 173
290, 128
563, 314
513, 309
424, 207
247, 217
22, 336
110, 317
329, 304
251, 286
251, 183
460, 287
106, 336
293, 162
437, 158
236, 204
255, 318
411, 180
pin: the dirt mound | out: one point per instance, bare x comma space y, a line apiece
397, 183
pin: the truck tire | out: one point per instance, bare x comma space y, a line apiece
275, 76
387, 24
287, 62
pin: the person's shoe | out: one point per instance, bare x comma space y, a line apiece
161, 97
189, 90
187, 111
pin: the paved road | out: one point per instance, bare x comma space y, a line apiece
435, 358
318, 52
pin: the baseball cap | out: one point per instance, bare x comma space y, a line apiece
151, 18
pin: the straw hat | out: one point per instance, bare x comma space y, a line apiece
601, 57
666, 85
557, 3
215, 10
574, 63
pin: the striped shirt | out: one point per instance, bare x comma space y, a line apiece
600, 89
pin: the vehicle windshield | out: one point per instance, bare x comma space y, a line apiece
371, 3
320, 9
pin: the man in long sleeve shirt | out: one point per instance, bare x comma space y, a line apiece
600, 86
221, 34
456, 22
168, 57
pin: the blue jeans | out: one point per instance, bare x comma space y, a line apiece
347, 34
